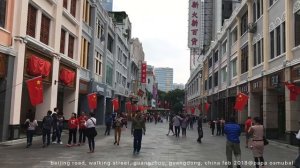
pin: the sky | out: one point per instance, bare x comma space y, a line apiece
161, 26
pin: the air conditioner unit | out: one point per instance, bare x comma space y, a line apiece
252, 27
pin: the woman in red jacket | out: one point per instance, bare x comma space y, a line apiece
73, 126
82, 128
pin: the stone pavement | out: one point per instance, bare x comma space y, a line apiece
158, 151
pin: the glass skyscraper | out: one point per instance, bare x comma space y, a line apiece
164, 78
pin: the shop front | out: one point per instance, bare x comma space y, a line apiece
256, 98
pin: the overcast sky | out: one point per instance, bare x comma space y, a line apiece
161, 26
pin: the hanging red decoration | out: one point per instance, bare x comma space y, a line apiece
38, 67
67, 76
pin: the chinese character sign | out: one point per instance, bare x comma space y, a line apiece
144, 72
194, 24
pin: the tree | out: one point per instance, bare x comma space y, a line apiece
175, 99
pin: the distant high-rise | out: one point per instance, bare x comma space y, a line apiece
107, 4
164, 78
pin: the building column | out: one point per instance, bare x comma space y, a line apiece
238, 60
266, 35
250, 39
270, 111
291, 107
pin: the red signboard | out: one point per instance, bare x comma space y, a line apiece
144, 72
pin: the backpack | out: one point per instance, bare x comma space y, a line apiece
47, 122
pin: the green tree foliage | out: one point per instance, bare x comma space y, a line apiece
175, 98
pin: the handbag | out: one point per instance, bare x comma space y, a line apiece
266, 142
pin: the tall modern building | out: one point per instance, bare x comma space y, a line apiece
107, 4
164, 78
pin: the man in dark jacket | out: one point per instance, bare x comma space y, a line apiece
46, 125
233, 132
137, 129
108, 123
200, 130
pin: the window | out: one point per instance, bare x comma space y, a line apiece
283, 37
271, 2
84, 53
233, 68
224, 47
272, 44
216, 56
45, 29
98, 64
224, 74
31, 21
205, 85
244, 23
244, 60
258, 52
210, 62
259, 6
124, 81
86, 11
254, 11
278, 41
2, 12
124, 60
73, 8
98, 28
71, 46
119, 54
210, 82
148, 81
234, 36
65, 4
62, 41
110, 42
216, 77
297, 28
109, 75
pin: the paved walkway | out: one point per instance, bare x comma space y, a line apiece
158, 151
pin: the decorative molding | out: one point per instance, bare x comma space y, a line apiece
283, 17
296, 6
277, 21
271, 26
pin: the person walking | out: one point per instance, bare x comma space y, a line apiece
82, 128
137, 129
73, 126
222, 121
46, 128
55, 130
248, 124
218, 123
212, 126
200, 130
31, 125
170, 127
108, 122
176, 122
257, 143
91, 132
184, 124
233, 132
60, 126
118, 128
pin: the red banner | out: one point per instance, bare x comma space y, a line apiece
67, 76
134, 108
37, 66
140, 92
207, 106
193, 110
35, 90
92, 101
241, 101
115, 103
294, 90
128, 106
144, 72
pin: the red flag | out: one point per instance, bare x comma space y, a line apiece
193, 110
92, 101
67, 76
35, 90
294, 91
241, 101
128, 106
207, 106
115, 103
